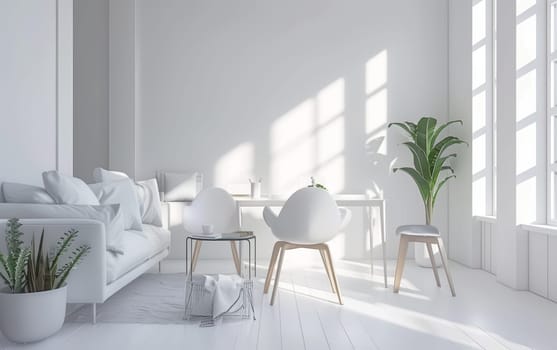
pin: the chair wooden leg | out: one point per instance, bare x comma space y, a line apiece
327, 268
195, 255
236, 257
333, 274
402, 249
272, 263
277, 277
443, 254
433, 264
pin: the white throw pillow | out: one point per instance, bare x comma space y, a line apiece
121, 192
147, 194
22, 193
148, 191
109, 215
180, 187
68, 190
103, 175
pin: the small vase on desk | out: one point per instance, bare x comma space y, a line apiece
255, 189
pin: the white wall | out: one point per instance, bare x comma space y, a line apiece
285, 91
35, 89
91, 88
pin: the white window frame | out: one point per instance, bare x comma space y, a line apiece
551, 85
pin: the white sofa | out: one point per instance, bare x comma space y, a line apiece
101, 273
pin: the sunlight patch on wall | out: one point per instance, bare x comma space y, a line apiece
330, 102
376, 113
377, 98
236, 166
376, 72
309, 141
330, 158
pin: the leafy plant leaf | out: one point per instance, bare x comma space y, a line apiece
423, 184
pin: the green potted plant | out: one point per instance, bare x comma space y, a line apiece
34, 302
431, 169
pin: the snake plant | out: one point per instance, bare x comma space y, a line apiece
429, 158
14, 264
32, 269
43, 271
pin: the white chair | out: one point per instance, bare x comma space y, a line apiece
423, 234
212, 206
308, 219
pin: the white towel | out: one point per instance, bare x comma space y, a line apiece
228, 295
214, 296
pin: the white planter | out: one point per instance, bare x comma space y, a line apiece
422, 257
30, 317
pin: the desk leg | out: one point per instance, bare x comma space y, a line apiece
370, 230
383, 245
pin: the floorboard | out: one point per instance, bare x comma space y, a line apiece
306, 315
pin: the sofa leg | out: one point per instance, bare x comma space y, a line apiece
160, 269
94, 309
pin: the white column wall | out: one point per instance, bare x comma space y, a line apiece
122, 59
36, 89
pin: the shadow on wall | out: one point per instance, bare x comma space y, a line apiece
288, 91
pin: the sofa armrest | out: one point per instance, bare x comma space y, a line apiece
87, 282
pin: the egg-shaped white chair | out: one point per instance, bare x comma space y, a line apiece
212, 206
308, 219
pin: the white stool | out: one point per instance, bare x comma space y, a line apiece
424, 234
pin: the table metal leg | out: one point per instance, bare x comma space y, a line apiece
383, 244
369, 212
241, 264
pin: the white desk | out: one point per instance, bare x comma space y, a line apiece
346, 200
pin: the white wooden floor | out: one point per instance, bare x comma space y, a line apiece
484, 315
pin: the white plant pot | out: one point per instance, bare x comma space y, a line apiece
422, 257
30, 317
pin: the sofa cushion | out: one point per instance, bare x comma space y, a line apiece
103, 175
22, 193
109, 215
148, 192
68, 190
120, 192
139, 246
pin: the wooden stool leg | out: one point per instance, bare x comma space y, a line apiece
445, 264
327, 268
236, 257
272, 263
333, 274
277, 277
195, 255
402, 250
433, 264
